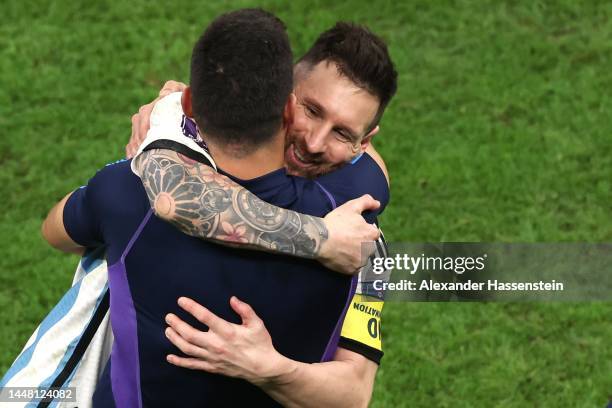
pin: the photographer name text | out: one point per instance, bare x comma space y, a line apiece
469, 285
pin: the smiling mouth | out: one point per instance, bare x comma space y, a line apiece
299, 157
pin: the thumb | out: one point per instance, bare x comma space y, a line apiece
365, 203
244, 310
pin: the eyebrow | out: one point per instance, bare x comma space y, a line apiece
350, 133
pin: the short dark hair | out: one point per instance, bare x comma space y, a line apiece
241, 78
360, 56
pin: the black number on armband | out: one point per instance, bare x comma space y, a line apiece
373, 328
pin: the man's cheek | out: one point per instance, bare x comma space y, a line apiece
341, 154
299, 124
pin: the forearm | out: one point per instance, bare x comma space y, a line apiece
205, 204
330, 384
248, 353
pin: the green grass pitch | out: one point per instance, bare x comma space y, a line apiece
501, 131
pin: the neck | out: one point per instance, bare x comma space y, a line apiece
263, 160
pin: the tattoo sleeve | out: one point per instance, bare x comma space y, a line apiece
205, 204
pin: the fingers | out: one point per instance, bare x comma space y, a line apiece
204, 315
185, 330
364, 203
130, 149
368, 232
367, 250
374, 233
172, 86
190, 363
185, 346
144, 121
137, 136
141, 122
244, 310
128, 152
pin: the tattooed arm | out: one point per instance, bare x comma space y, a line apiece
205, 204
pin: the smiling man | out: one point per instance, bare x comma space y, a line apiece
326, 134
246, 142
342, 86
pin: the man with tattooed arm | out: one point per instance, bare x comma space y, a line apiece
318, 133
204, 203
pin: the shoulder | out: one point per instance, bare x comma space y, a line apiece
115, 187
113, 176
379, 160
355, 179
117, 167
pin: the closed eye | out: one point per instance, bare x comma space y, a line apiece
311, 110
342, 133
345, 135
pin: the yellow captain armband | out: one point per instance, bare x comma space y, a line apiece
362, 321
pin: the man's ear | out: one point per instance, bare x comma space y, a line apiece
365, 142
289, 110
186, 102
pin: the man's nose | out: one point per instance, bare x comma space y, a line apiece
315, 142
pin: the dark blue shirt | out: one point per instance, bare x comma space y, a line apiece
152, 264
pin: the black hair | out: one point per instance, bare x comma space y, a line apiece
360, 56
241, 78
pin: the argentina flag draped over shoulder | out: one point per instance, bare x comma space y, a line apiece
71, 346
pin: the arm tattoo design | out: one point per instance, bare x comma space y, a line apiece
205, 204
